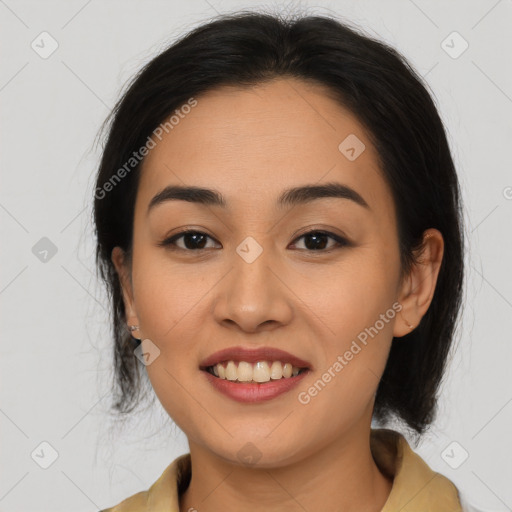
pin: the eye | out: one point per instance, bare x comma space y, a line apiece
196, 241
316, 240
193, 241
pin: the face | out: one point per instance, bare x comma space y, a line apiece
250, 275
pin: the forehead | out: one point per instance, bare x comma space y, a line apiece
252, 143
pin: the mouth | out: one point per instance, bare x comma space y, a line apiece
250, 383
257, 366
260, 372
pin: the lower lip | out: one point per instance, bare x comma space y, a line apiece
254, 392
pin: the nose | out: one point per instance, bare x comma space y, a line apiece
254, 295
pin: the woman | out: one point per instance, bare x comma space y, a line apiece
279, 227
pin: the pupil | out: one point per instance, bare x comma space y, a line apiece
315, 237
194, 237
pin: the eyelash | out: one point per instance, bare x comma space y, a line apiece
170, 242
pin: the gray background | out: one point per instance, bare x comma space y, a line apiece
55, 349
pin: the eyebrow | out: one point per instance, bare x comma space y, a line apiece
290, 197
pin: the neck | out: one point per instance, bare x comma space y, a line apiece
340, 476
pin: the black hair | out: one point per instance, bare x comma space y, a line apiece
388, 98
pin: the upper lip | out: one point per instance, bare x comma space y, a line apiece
252, 356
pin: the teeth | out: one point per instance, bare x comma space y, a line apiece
231, 371
276, 370
244, 371
262, 371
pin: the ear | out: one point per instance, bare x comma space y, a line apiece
123, 272
418, 288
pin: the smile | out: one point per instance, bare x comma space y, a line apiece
250, 390
258, 372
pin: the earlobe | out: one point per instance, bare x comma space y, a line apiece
419, 287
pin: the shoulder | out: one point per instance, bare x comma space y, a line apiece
163, 494
415, 485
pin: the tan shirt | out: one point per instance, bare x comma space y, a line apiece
416, 487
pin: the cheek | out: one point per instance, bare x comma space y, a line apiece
167, 294
356, 347
169, 310
172, 308
177, 395
358, 310
352, 295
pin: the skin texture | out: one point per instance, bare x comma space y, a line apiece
251, 144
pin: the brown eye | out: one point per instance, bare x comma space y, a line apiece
318, 240
192, 241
